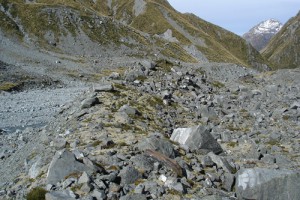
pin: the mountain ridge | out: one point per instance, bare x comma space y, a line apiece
260, 35
284, 48
138, 22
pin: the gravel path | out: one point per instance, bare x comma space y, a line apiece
33, 108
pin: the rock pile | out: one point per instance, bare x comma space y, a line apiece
164, 131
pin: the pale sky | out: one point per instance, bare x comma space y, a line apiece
239, 16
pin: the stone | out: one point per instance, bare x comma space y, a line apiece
78, 155
139, 189
114, 75
86, 188
99, 194
143, 162
128, 110
262, 183
103, 88
100, 184
68, 182
89, 102
158, 144
178, 187
91, 165
162, 178
221, 162
228, 182
63, 164
206, 161
113, 187
195, 138
35, 168
134, 197
60, 195
59, 143
295, 105
84, 178
267, 158
129, 175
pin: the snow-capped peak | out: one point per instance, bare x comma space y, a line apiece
268, 26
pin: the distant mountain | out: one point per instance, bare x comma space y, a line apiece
136, 28
284, 48
260, 35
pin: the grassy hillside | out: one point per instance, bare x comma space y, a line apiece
109, 22
284, 48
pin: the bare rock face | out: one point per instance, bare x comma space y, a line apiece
259, 183
195, 138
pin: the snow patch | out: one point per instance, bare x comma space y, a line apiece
268, 26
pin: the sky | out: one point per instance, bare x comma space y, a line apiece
239, 16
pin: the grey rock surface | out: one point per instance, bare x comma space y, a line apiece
63, 164
259, 183
129, 175
60, 195
195, 138
161, 145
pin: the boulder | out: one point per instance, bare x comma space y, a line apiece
158, 144
103, 88
197, 137
35, 169
129, 175
89, 102
62, 165
221, 162
261, 183
61, 195
128, 110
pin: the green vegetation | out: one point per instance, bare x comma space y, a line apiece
218, 84
217, 44
283, 51
8, 86
37, 193
9, 26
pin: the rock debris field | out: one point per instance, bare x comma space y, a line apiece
32, 108
159, 130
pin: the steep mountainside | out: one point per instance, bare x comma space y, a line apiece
260, 35
136, 28
284, 49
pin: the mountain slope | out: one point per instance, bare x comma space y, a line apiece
284, 49
260, 35
138, 27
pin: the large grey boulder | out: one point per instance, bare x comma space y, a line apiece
62, 165
197, 137
260, 183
